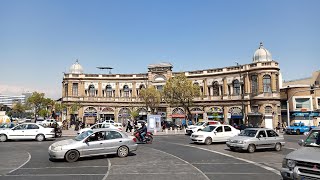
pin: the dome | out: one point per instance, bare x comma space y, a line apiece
76, 68
262, 54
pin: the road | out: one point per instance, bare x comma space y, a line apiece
169, 157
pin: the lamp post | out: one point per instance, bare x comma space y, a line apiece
242, 93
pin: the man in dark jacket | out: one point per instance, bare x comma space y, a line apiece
143, 131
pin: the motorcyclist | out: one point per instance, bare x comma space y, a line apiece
143, 131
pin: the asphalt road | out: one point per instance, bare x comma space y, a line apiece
169, 157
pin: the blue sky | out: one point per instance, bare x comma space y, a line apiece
39, 40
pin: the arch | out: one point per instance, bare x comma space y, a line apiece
142, 111
236, 87
268, 110
196, 109
215, 109
267, 84
196, 83
92, 90
159, 78
142, 86
178, 111
235, 111
108, 110
215, 88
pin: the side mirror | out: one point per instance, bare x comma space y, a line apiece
301, 142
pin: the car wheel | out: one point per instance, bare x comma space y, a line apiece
3, 137
40, 137
123, 151
72, 156
298, 132
251, 148
278, 147
208, 141
149, 139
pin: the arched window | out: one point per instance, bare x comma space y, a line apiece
109, 90
268, 110
254, 84
266, 84
215, 88
126, 91
92, 91
236, 87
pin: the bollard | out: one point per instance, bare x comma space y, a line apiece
170, 129
155, 132
166, 130
175, 130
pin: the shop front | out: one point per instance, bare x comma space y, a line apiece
107, 113
215, 113
235, 116
90, 116
142, 114
197, 114
255, 119
124, 115
178, 115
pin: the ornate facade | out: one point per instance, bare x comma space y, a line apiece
248, 92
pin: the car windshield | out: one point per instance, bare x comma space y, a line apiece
83, 135
209, 128
248, 132
199, 123
313, 139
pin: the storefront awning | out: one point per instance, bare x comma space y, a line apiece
178, 116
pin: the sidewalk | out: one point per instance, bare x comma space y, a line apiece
72, 133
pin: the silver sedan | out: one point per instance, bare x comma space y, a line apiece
93, 143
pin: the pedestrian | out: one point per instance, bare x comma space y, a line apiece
128, 125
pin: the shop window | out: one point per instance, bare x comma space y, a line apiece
267, 84
236, 87
75, 89
303, 103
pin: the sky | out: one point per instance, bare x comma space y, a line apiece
40, 40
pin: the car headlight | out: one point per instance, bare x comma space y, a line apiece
56, 148
192, 127
200, 136
240, 142
290, 163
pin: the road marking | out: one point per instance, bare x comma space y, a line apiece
241, 159
29, 157
21, 175
290, 148
107, 174
218, 163
67, 167
224, 173
206, 177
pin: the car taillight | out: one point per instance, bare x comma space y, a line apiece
134, 139
120, 129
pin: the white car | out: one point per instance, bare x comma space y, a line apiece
27, 131
113, 123
199, 126
99, 126
214, 133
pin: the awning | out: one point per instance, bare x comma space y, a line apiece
178, 116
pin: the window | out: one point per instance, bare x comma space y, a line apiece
98, 136
254, 109
254, 84
109, 90
21, 127
266, 84
268, 110
318, 103
92, 91
236, 87
261, 133
75, 89
272, 133
227, 128
113, 135
219, 129
159, 88
303, 103
126, 91
32, 126
66, 90
215, 88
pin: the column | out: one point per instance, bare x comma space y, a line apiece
63, 94
225, 115
273, 82
70, 89
134, 89
225, 87
211, 91
117, 90
205, 87
99, 89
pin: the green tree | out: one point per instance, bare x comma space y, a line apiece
74, 107
151, 97
38, 102
134, 114
18, 109
179, 91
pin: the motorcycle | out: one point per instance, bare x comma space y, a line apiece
148, 137
58, 132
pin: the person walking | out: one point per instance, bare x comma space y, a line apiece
128, 125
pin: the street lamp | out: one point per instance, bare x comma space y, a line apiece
242, 93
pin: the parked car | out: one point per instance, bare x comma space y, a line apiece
214, 133
298, 128
200, 125
92, 143
27, 131
251, 139
99, 126
303, 163
109, 121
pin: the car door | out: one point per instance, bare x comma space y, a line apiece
113, 141
261, 139
218, 134
272, 138
31, 131
227, 133
94, 144
18, 132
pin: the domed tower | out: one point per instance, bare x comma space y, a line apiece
76, 68
262, 54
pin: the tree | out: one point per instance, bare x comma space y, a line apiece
58, 108
38, 102
151, 97
180, 92
74, 107
18, 109
134, 114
